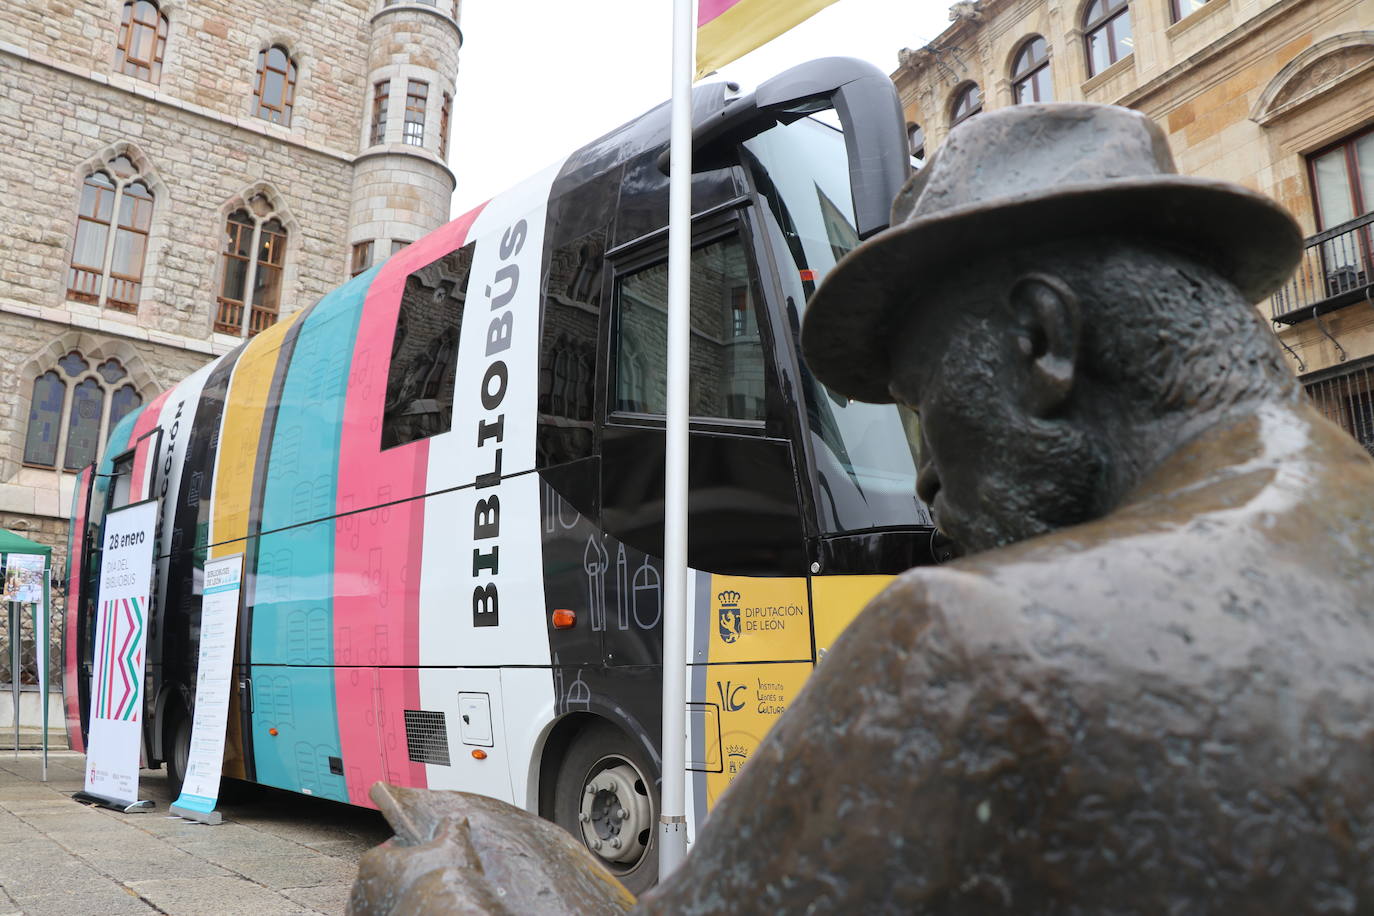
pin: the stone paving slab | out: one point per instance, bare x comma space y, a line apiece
276, 854
232, 895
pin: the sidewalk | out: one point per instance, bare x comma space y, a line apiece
278, 854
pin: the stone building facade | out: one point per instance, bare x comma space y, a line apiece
1277, 95
180, 175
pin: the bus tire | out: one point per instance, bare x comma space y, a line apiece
178, 744
606, 795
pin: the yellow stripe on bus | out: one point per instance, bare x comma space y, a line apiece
761, 629
244, 407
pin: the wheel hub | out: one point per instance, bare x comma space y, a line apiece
615, 812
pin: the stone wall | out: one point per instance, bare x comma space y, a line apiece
211, 55
196, 165
194, 136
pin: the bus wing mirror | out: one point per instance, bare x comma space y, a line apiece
866, 102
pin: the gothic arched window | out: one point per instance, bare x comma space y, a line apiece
112, 224
252, 257
275, 90
73, 409
142, 41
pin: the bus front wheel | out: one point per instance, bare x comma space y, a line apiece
178, 751
606, 797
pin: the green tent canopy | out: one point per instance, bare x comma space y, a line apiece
14, 543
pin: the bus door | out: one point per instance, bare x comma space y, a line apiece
751, 638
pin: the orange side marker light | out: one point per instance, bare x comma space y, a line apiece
272, 732
479, 754
564, 619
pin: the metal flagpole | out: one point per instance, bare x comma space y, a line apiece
673, 817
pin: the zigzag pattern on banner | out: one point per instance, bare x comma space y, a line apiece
120, 651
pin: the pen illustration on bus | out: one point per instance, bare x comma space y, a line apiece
446, 482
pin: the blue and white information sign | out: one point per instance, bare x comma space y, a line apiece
219, 614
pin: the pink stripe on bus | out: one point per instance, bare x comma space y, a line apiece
74, 566
145, 423
377, 552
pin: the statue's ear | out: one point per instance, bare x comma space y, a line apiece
1048, 315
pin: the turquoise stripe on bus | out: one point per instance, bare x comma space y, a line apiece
292, 622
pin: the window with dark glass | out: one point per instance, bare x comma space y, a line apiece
267, 285
381, 93
1030, 73
424, 352
728, 367
444, 111
142, 41
275, 91
398, 244
417, 93
252, 256
916, 143
107, 266
1342, 191
362, 258
1182, 8
968, 101
73, 410
1107, 33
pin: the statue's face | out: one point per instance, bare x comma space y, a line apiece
992, 471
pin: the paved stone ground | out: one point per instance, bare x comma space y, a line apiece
276, 853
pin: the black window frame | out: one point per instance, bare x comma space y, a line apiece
652, 253
957, 103
1112, 11
1026, 76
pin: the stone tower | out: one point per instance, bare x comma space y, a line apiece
401, 184
181, 175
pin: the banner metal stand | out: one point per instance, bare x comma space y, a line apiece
138, 807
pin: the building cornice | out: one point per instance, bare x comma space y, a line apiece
120, 326
1219, 48
406, 151
409, 6
255, 126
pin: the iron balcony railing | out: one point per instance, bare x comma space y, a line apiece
1337, 268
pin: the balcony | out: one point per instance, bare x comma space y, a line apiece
1335, 271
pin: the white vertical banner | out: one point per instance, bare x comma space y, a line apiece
126, 567
219, 614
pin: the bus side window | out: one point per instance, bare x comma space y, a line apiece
727, 359
424, 352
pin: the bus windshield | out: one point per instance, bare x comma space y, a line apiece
865, 474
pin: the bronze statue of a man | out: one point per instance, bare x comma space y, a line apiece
1153, 691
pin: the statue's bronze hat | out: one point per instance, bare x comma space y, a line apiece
1027, 174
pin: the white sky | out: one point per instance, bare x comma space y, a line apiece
539, 78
